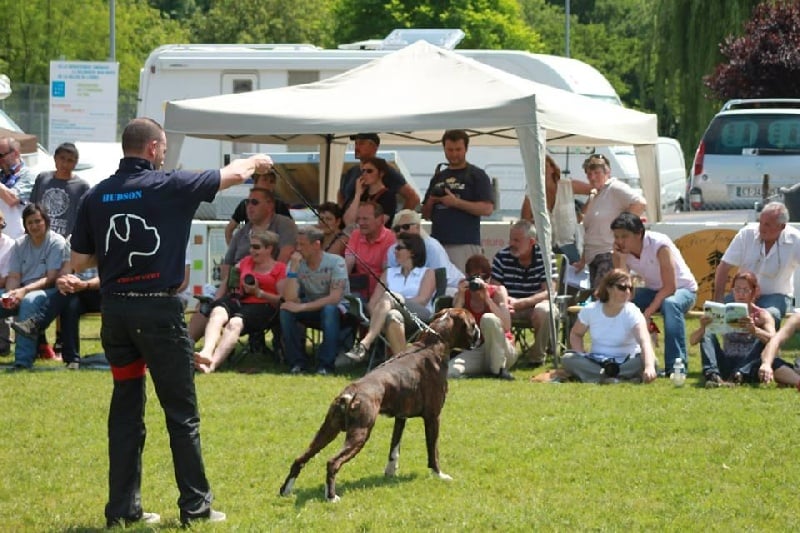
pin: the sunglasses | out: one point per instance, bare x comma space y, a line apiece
367, 170
7, 153
402, 227
484, 277
400, 247
253, 201
255, 247
622, 287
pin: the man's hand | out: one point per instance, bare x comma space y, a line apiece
292, 307
448, 198
263, 163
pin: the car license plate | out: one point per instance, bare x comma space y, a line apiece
753, 191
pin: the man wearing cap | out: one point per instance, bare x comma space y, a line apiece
16, 183
456, 199
366, 146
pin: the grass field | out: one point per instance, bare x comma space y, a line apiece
524, 456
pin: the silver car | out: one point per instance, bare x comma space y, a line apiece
745, 141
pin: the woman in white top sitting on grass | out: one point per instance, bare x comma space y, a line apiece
411, 284
620, 341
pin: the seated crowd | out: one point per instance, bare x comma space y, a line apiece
285, 279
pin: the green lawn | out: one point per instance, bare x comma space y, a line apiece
523, 456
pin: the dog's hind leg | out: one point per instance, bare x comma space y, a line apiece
432, 440
394, 449
330, 428
354, 442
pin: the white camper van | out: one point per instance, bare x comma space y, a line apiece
175, 72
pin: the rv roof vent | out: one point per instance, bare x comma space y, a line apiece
402, 37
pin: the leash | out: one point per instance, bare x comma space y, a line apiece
414, 318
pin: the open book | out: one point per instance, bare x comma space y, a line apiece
725, 317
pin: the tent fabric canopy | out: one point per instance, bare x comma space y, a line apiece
409, 97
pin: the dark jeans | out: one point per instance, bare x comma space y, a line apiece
328, 319
70, 307
141, 331
716, 362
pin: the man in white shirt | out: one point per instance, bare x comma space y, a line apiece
771, 251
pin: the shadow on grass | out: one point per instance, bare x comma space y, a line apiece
303, 496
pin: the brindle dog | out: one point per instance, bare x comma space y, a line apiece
413, 383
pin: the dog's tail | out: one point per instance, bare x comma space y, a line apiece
345, 404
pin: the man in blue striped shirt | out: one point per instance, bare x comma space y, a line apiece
519, 267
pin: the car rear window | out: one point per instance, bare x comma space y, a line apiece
771, 134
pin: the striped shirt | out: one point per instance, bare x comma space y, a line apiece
519, 281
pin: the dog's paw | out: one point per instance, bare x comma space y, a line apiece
391, 469
442, 476
335, 499
287, 487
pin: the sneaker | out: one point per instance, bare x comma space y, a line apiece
321, 371
296, 369
358, 353
146, 518
46, 352
213, 516
505, 375
715, 381
27, 328
73, 365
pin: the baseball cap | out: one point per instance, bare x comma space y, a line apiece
366, 137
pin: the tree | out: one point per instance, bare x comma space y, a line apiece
685, 48
765, 61
488, 24
49, 29
255, 21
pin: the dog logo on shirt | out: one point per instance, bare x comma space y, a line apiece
135, 233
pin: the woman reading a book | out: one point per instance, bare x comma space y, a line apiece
621, 347
738, 359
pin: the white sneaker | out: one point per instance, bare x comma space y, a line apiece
213, 516
75, 365
147, 518
358, 353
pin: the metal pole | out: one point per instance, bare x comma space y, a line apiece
566, 25
112, 45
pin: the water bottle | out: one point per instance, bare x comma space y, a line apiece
678, 376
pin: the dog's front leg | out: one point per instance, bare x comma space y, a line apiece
432, 439
394, 449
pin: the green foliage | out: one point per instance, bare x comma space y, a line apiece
46, 30
686, 48
488, 24
264, 21
765, 61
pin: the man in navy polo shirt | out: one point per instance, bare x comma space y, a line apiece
134, 226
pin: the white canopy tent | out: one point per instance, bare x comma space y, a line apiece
409, 97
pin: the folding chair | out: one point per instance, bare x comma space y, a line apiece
522, 329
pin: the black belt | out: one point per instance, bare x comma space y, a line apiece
137, 294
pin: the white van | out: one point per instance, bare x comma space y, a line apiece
672, 175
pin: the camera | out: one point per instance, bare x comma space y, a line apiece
438, 189
249, 279
475, 283
610, 368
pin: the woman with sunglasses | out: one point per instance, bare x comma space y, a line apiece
488, 304
370, 188
669, 285
412, 286
332, 226
560, 196
610, 197
253, 309
738, 359
620, 341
